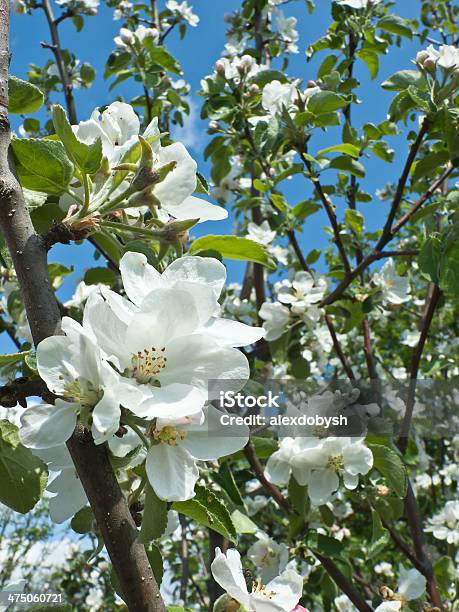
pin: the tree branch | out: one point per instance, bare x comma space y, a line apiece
338, 348
29, 257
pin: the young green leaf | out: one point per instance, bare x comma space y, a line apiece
233, 247
24, 97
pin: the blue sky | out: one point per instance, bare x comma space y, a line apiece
197, 54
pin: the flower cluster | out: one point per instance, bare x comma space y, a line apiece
144, 362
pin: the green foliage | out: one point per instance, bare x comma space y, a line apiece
23, 476
87, 157
206, 509
154, 520
233, 247
24, 97
390, 465
42, 165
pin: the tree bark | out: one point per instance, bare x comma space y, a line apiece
29, 255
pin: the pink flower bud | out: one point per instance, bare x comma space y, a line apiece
220, 67
126, 36
254, 89
311, 83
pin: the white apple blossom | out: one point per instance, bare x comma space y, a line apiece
277, 95
262, 233
183, 11
281, 593
118, 127
179, 443
411, 338
447, 56
303, 293
166, 341
384, 569
445, 524
286, 29
89, 7
74, 368
126, 37
395, 288
411, 585
320, 464
122, 10
269, 557
359, 4
276, 318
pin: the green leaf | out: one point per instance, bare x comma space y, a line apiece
380, 536
390, 465
24, 97
206, 509
266, 76
348, 165
23, 476
383, 151
162, 57
106, 276
83, 521
444, 573
325, 545
403, 79
42, 165
224, 477
233, 247
154, 521
371, 60
346, 148
88, 157
324, 102
298, 496
13, 358
34, 199
327, 66
355, 220
430, 164
156, 562
396, 25
304, 209
242, 523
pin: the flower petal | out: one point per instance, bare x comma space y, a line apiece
197, 208
105, 418
208, 441
55, 363
173, 401
139, 277
232, 333
204, 270
172, 472
181, 182
45, 426
70, 496
322, 484
227, 571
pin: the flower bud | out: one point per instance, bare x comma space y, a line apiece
213, 126
254, 89
126, 36
272, 172
220, 67
246, 62
148, 177
311, 83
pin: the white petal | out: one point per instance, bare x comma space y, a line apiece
70, 496
122, 308
57, 458
139, 277
197, 208
171, 402
412, 584
45, 426
358, 458
196, 360
278, 468
55, 363
109, 331
203, 296
227, 571
105, 418
181, 182
232, 333
288, 588
206, 442
173, 313
204, 270
322, 484
172, 472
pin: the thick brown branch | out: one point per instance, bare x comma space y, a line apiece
29, 255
